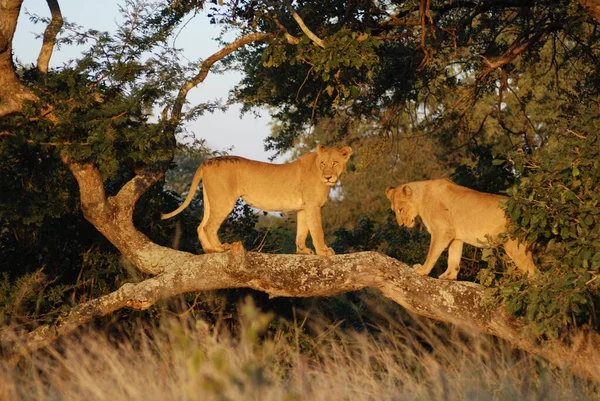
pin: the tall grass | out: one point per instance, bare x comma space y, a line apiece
195, 361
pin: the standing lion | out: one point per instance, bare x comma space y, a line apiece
455, 215
302, 185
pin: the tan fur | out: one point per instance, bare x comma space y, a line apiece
455, 215
302, 185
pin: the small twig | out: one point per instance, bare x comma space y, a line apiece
303, 82
580, 136
591, 280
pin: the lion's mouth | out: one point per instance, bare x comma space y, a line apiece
330, 183
405, 223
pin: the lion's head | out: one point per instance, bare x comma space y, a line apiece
403, 204
331, 163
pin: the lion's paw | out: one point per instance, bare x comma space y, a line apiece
448, 275
418, 268
304, 251
327, 252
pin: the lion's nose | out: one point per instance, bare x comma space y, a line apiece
328, 177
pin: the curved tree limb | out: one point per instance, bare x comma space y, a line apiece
50, 36
205, 68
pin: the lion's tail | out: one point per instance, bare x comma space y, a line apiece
193, 188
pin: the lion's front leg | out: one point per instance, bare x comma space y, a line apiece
301, 234
437, 246
313, 220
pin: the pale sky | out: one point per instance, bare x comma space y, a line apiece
221, 130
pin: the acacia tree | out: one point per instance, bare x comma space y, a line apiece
92, 121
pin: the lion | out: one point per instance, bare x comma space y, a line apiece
302, 185
455, 215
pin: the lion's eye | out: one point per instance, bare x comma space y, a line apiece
335, 163
322, 164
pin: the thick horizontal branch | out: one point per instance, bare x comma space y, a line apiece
459, 303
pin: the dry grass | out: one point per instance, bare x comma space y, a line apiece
179, 362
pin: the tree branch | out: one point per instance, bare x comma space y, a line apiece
316, 40
517, 48
207, 65
289, 37
50, 36
456, 302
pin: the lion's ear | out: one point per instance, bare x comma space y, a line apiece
406, 190
390, 193
320, 148
346, 152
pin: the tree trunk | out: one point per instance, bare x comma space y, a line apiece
12, 91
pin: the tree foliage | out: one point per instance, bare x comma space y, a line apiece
556, 206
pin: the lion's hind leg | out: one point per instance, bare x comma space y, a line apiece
215, 211
219, 209
521, 256
202, 236
454, 255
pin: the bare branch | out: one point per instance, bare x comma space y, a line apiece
459, 303
517, 48
316, 40
50, 36
207, 65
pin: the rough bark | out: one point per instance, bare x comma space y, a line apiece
12, 92
50, 36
